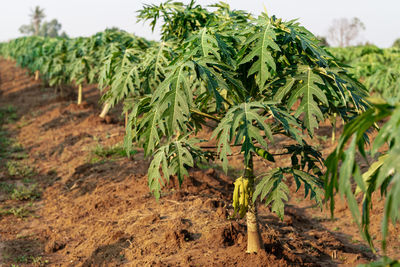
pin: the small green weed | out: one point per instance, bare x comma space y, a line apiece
8, 114
101, 153
115, 151
27, 181
25, 193
19, 155
22, 259
23, 122
4, 143
6, 187
20, 212
19, 236
354, 241
17, 168
95, 159
31, 260
38, 261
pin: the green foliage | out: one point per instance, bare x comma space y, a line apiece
25, 193
20, 212
242, 124
378, 69
7, 187
172, 159
383, 175
272, 189
396, 43
18, 168
114, 151
7, 115
271, 66
255, 78
383, 262
180, 20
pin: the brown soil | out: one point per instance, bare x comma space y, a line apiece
97, 211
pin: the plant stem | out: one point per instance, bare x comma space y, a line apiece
209, 116
80, 94
254, 240
36, 75
333, 128
105, 110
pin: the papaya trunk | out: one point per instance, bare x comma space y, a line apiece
80, 94
36, 75
333, 129
254, 240
126, 119
105, 110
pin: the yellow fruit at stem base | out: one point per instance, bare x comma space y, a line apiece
241, 196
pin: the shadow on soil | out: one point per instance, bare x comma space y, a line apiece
301, 240
69, 140
107, 254
90, 175
21, 251
65, 119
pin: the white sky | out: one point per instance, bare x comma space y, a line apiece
86, 17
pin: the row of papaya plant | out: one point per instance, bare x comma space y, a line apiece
378, 69
256, 78
64, 61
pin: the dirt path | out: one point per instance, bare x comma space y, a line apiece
69, 198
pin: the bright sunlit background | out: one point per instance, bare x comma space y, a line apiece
84, 18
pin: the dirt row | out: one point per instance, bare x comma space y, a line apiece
68, 197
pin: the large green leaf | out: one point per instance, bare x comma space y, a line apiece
273, 191
261, 45
170, 159
242, 124
312, 97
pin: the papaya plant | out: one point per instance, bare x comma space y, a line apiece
80, 63
121, 64
383, 174
256, 79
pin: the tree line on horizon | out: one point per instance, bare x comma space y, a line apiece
39, 27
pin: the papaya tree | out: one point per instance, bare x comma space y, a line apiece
79, 63
119, 59
257, 79
383, 173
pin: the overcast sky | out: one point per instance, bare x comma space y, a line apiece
86, 17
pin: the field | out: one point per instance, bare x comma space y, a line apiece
92, 206
234, 140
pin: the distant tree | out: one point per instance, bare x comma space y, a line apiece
396, 43
344, 31
27, 29
51, 29
37, 15
114, 28
42, 28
